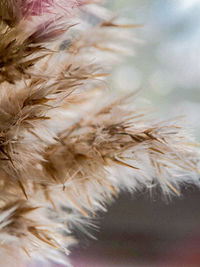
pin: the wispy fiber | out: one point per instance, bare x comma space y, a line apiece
67, 145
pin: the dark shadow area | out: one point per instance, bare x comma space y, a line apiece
146, 230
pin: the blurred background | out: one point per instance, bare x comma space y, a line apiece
145, 229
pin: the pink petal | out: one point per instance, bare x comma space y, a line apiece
38, 7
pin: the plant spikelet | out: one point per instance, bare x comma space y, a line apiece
67, 145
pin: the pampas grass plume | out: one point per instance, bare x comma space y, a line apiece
67, 145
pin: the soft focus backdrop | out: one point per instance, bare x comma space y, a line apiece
145, 229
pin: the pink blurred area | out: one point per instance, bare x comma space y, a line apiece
180, 254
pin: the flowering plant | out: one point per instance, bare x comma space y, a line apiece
68, 145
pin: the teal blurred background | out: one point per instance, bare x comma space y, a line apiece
166, 63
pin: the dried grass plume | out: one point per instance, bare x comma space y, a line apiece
67, 145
